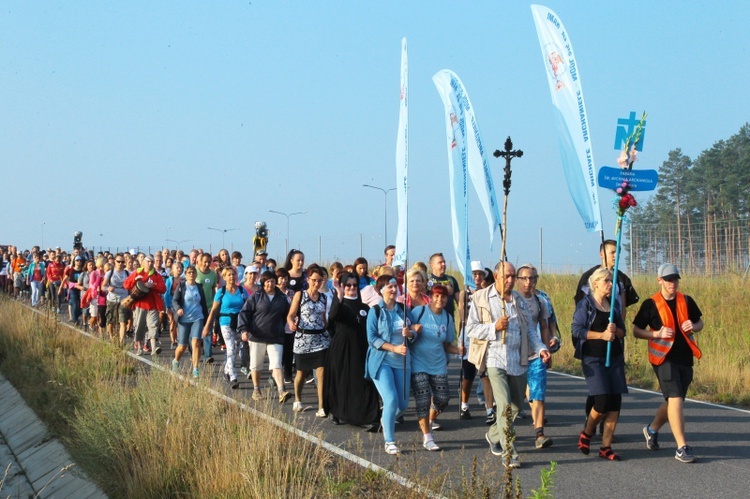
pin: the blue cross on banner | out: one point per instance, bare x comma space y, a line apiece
625, 128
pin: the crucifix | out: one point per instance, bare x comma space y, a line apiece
508, 154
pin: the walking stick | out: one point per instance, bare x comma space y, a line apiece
508, 154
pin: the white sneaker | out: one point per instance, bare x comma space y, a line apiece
392, 449
321, 413
430, 445
297, 407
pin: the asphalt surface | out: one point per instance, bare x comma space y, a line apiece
720, 437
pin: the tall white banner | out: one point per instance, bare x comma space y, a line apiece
402, 162
570, 114
455, 131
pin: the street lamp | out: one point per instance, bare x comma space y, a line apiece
42, 245
287, 215
178, 243
385, 209
223, 233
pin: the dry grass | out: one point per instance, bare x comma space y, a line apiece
149, 434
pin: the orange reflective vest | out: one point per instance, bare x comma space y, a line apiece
659, 347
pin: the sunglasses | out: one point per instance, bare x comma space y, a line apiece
119, 261
350, 285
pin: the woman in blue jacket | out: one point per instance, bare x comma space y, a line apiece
388, 361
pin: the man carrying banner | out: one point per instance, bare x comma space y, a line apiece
668, 320
506, 361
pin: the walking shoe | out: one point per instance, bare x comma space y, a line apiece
310, 379
496, 449
234, 384
208, 360
542, 442
652, 439
431, 446
685, 454
514, 463
138, 351
257, 395
297, 407
284, 396
400, 420
490, 419
195, 372
435, 425
223, 347
146, 349
156, 351
522, 414
175, 365
321, 413
608, 454
392, 449
464, 414
245, 371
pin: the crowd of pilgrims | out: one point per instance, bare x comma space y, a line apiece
371, 338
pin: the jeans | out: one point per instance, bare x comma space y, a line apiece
506, 390
36, 292
188, 331
207, 348
390, 384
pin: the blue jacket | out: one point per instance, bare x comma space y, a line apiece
379, 327
29, 271
583, 317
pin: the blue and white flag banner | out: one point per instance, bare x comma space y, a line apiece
455, 127
402, 162
570, 114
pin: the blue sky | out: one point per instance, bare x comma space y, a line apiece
121, 119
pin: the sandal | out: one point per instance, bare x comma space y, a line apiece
609, 454
584, 443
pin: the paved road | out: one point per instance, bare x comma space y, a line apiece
720, 437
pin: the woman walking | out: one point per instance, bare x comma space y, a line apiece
307, 318
388, 331
261, 324
592, 331
349, 397
189, 311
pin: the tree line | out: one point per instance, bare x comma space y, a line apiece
700, 214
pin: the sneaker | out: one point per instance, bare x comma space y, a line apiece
208, 360
321, 413
392, 449
431, 446
435, 425
195, 372
522, 414
138, 351
223, 347
257, 395
234, 384
297, 407
245, 371
490, 419
480, 399
310, 379
174, 345
464, 414
287, 381
496, 449
514, 463
284, 396
400, 420
685, 454
175, 365
542, 442
146, 349
156, 351
652, 439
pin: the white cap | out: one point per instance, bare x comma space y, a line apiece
476, 266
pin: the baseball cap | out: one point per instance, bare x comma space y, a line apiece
668, 270
251, 268
261, 252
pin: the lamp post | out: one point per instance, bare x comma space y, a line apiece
223, 233
178, 243
287, 215
385, 209
42, 245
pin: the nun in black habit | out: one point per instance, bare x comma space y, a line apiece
349, 397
